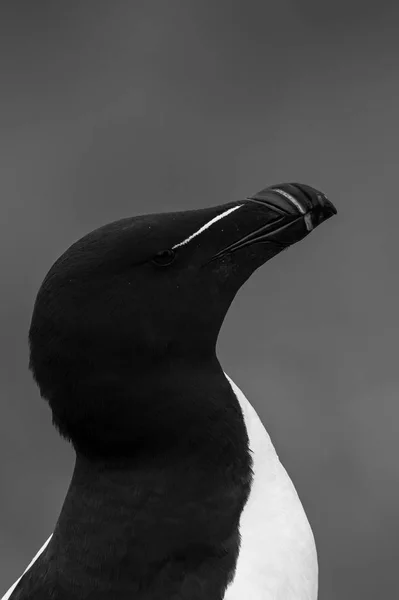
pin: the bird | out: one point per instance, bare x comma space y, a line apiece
177, 491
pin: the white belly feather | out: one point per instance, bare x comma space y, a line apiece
278, 559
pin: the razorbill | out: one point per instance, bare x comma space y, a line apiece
177, 491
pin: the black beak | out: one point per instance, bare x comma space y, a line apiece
297, 210
301, 208
297, 199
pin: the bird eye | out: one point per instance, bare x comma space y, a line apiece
164, 258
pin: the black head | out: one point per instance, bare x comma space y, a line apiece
133, 301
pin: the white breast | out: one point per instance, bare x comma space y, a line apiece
12, 588
278, 559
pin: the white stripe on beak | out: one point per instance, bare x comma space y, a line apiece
294, 201
207, 225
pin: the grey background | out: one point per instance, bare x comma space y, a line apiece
110, 109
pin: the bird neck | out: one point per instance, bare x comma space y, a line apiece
161, 526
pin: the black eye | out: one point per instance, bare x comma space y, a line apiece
164, 258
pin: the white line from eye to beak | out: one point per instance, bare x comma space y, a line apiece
207, 225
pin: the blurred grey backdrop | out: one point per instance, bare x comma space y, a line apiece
110, 109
